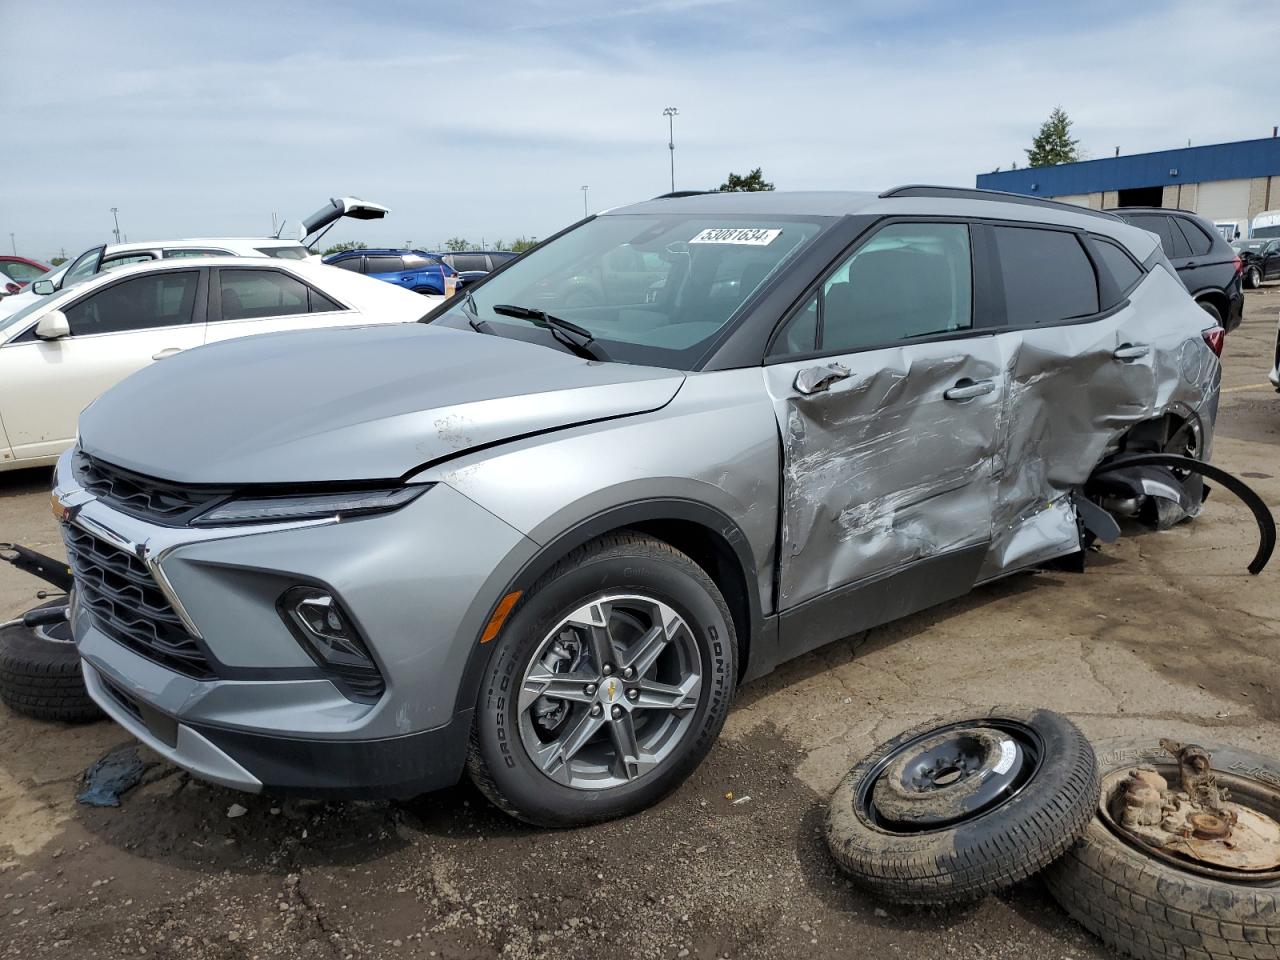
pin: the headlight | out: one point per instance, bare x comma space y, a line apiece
310, 506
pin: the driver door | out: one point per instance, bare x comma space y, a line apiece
887, 395
116, 329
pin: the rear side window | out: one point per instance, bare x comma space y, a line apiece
1173, 244
124, 260
1197, 239
1119, 264
385, 265
351, 263
1047, 276
470, 261
249, 294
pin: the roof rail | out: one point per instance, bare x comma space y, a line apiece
676, 194
974, 193
1117, 210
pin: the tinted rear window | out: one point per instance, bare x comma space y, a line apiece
1047, 276
470, 261
1119, 264
1197, 239
384, 265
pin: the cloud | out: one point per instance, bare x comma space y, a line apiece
486, 121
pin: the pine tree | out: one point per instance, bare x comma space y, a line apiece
752, 182
1053, 144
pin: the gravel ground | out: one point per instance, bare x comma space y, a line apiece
1163, 635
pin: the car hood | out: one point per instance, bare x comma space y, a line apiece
351, 404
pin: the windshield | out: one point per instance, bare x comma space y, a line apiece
1249, 246
652, 289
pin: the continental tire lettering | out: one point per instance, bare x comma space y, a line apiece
1256, 773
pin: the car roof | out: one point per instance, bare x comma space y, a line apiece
900, 201
200, 242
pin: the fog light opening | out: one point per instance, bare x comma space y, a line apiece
328, 634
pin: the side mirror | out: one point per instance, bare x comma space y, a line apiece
43, 287
53, 326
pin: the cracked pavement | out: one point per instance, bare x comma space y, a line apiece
1162, 635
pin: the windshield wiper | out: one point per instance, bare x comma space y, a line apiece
578, 339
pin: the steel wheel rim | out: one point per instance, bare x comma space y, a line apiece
1029, 760
610, 692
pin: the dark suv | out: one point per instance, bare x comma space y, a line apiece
1206, 264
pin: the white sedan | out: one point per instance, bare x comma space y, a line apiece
60, 352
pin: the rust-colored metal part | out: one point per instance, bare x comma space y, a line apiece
1197, 826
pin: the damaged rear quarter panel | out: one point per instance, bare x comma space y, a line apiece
1068, 401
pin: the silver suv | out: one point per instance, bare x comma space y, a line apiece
545, 541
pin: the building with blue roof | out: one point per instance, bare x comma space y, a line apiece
1227, 183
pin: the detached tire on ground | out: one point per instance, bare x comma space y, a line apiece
958, 808
40, 673
1152, 909
608, 685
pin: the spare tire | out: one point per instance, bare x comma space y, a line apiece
40, 672
1150, 908
958, 808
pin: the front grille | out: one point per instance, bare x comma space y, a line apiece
126, 603
156, 501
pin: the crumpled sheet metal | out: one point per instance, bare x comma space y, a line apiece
881, 470
885, 471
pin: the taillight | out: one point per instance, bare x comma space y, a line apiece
1239, 266
1214, 337
11, 288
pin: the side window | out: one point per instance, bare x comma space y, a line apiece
909, 280
158, 300
385, 265
1197, 240
249, 294
1159, 225
322, 304
1047, 276
22, 272
1119, 264
351, 263
1179, 243
470, 261
124, 259
193, 252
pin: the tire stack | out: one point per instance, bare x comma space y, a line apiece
958, 808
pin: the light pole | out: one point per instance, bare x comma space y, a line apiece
585, 213
13, 243
671, 113
115, 215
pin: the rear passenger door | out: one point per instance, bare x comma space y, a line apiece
390, 269
1271, 261
1079, 371
887, 392
248, 300
1202, 268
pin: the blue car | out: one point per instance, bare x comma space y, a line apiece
410, 269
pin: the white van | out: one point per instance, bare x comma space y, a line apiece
1265, 224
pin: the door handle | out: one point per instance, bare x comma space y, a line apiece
166, 353
1130, 351
1190, 263
812, 380
966, 389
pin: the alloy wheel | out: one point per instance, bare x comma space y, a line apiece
610, 692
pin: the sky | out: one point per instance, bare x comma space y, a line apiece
485, 120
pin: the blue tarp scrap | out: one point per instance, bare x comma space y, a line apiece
119, 771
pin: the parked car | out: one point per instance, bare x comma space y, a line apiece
111, 256
546, 544
1231, 229
61, 351
1261, 259
1206, 263
405, 268
21, 270
8, 286
471, 265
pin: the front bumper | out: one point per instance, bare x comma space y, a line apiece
419, 584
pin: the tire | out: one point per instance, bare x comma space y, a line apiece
427, 291
632, 569
1152, 910
976, 853
1253, 279
41, 677
1212, 311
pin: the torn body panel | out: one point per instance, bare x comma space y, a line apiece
881, 469
1073, 393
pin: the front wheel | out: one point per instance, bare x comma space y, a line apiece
611, 680
1253, 279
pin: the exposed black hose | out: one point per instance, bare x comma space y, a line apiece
38, 565
1261, 513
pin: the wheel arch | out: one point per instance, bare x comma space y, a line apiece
707, 535
1217, 298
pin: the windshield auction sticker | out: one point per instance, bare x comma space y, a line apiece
744, 236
